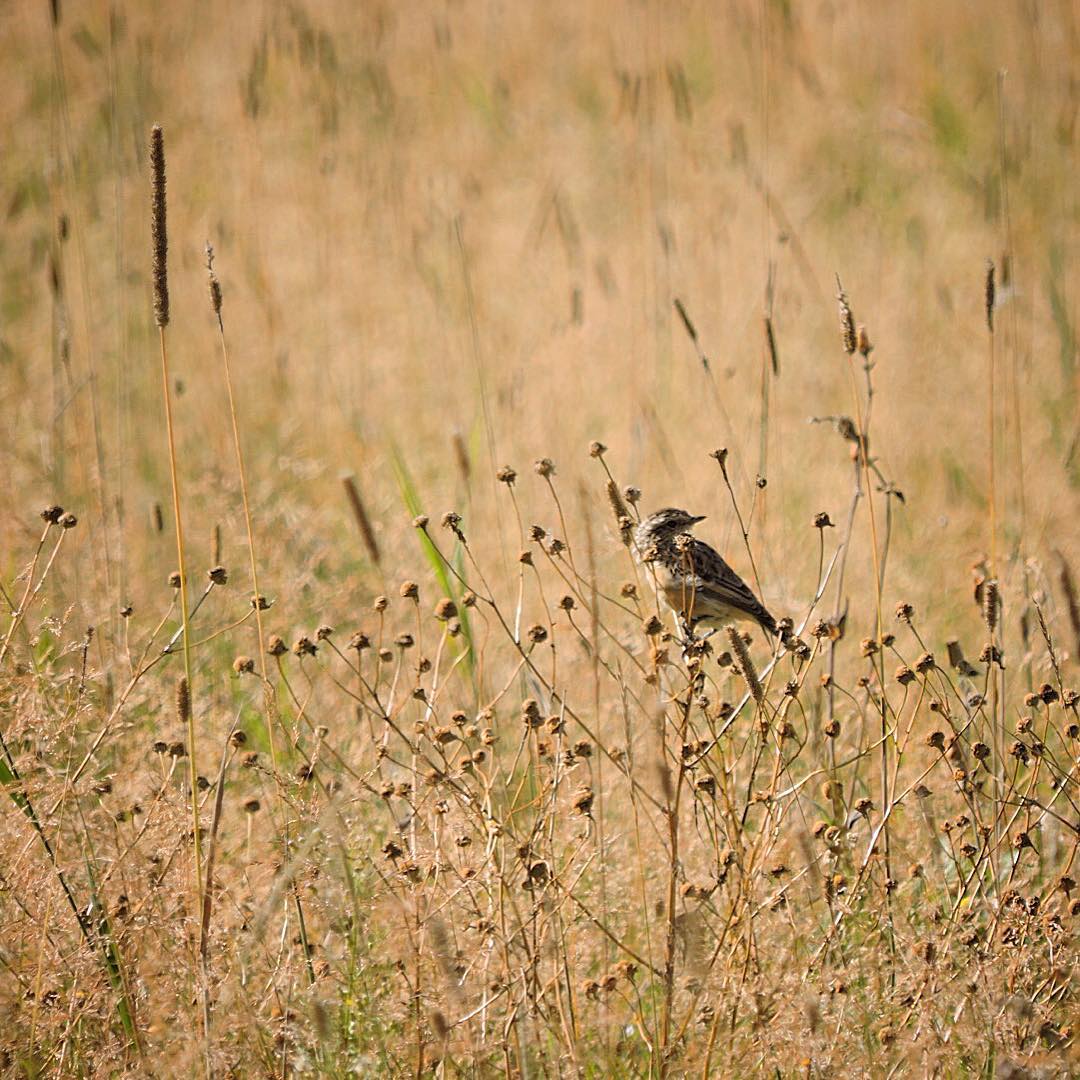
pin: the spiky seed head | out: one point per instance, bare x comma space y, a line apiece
847, 320
158, 228
214, 284
991, 604
746, 665
183, 701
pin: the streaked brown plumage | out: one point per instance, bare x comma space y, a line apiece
691, 577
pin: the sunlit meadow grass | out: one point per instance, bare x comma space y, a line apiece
437, 789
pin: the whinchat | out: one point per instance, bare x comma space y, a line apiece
691, 578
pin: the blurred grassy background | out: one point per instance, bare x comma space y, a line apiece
419, 211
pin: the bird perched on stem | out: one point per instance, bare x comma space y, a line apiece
692, 578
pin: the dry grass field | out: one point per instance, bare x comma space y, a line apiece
380, 757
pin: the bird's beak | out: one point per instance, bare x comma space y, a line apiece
700, 517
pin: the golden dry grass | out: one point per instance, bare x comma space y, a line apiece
511, 827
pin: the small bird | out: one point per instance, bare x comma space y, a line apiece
691, 577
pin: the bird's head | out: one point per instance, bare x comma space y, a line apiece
664, 524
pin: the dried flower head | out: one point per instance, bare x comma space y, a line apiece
865, 346
304, 646
583, 801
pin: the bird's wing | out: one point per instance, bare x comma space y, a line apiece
716, 581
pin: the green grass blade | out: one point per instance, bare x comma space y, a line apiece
411, 497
